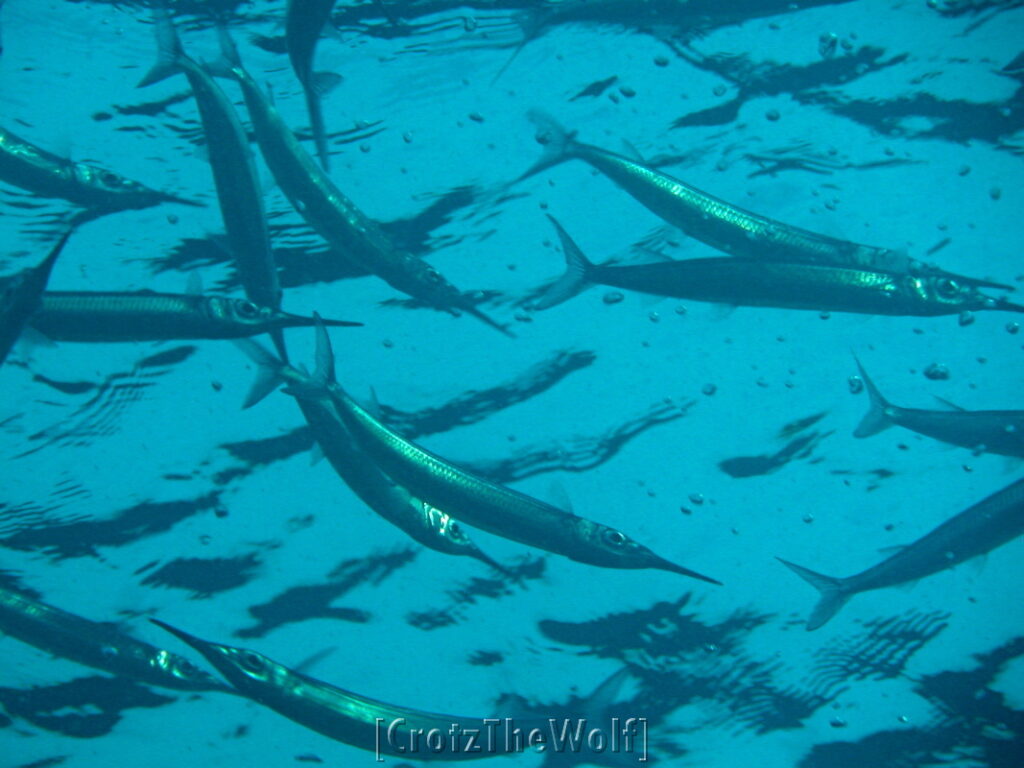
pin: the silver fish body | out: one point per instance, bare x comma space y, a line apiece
767, 283
721, 224
479, 502
338, 714
98, 645
148, 316
352, 234
44, 173
1000, 432
431, 527
304, 22
21, 295
976, 531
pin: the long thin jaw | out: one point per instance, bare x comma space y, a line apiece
169, 198
195, 642
490, 321
300, 321
480, 555
666, 565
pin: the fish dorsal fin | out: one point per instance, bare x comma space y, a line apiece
194, 284
654, 256
949, 404
892, 550
372, 405
629, 150
559, 496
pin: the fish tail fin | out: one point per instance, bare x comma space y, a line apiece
229, 58
324, 375
558, 143
833, 594
876, 419
578, 272
269, 371
168, 48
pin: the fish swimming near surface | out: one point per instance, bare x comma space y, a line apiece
473, 499
113, 316
767, 283
234, 172
304, 23
369, 724
720, 224
98, 645
999, 432
21, 296
428, 525
352, 234
99, 190
975, 531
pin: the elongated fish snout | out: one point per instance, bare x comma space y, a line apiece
301, 321
195, 642
166, 197
667, 565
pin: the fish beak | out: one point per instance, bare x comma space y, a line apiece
165, 197
666, 565
489, 321
300, 321
211, 651
1008, 306
480, 555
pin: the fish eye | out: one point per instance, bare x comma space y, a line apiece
250, 661
247, 310
614, 538
947, 288
110, 179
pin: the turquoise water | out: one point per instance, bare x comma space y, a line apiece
135, 486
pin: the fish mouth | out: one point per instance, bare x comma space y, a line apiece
667, 565
301, 321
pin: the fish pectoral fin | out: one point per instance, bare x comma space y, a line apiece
316, 454
322, 83
32, 338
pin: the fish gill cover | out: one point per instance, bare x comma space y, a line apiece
866, 162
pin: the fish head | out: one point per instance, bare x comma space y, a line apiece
611, 548
115, 191
947, 293
247, 671
244, 312
453, 536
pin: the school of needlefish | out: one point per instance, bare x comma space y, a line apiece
437, 502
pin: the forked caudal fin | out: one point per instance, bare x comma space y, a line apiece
833, 594
169, 50
877, 417
578, 270
558, 143
269, 371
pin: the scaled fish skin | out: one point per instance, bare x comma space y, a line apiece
44, 173
477, 501
234, 173
21, 296
429, 526
147, 316
721, 224
360, 721
304, 21
98, 645
351, 233
999, 432
765, 283
976, 531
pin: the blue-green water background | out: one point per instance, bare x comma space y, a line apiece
156, 434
